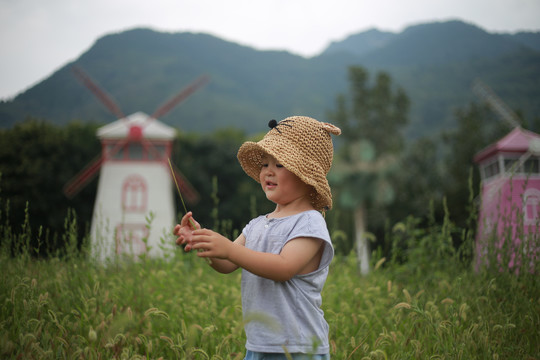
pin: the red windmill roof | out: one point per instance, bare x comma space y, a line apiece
516, 141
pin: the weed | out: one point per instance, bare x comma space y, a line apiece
422, 302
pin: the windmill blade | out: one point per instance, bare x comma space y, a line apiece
188, 191
504, 112
105, 98
75, 185
171, 103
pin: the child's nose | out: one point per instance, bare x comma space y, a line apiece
267, 170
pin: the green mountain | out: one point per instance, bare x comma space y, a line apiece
439, 44
528, 39
435, 63
362, 43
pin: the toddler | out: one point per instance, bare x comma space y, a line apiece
284, 255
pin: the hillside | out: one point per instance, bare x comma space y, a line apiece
362, 43
141, 69
435, 63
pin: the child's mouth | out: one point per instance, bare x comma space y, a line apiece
270, 185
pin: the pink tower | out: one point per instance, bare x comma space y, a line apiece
508, 224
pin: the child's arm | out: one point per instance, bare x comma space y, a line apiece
298, 256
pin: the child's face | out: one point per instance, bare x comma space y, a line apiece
279, 184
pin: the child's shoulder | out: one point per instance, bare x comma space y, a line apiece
302, 216
312, 220
310, 214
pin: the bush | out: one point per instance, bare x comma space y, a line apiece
417, 305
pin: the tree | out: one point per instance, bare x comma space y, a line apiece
371, 119
36, 160
477, 127
419, 180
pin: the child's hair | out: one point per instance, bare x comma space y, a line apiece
303, 146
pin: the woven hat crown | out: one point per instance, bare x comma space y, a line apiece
303, 146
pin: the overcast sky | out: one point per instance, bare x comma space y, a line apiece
38, 37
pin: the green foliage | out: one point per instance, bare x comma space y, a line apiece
78, 309
423, 306
418, 181
36, 160
457, 315
376, 112
477, 127
372, 118
423, 249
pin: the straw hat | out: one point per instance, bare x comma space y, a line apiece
303, 146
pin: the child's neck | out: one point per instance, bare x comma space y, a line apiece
290, 209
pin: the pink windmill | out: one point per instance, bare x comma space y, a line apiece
509, 219
135, 183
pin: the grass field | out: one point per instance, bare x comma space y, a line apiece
428, 305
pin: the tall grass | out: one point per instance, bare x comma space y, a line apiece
422, 302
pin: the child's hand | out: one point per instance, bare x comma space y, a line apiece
210, 244
185, 229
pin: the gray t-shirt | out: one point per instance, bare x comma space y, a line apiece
286, 315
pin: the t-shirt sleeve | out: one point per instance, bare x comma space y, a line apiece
246, 230
312, 224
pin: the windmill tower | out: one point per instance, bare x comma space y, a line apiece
135, 186
510, 201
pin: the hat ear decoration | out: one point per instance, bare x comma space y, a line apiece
332, 129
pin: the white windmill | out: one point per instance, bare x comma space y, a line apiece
135, 187
510, 173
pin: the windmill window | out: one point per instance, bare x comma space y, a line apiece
156, 152
114, 152
491, 169
510, 164
108, 150
119, 155
531, 207
530, 166
135, 151
134, 194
